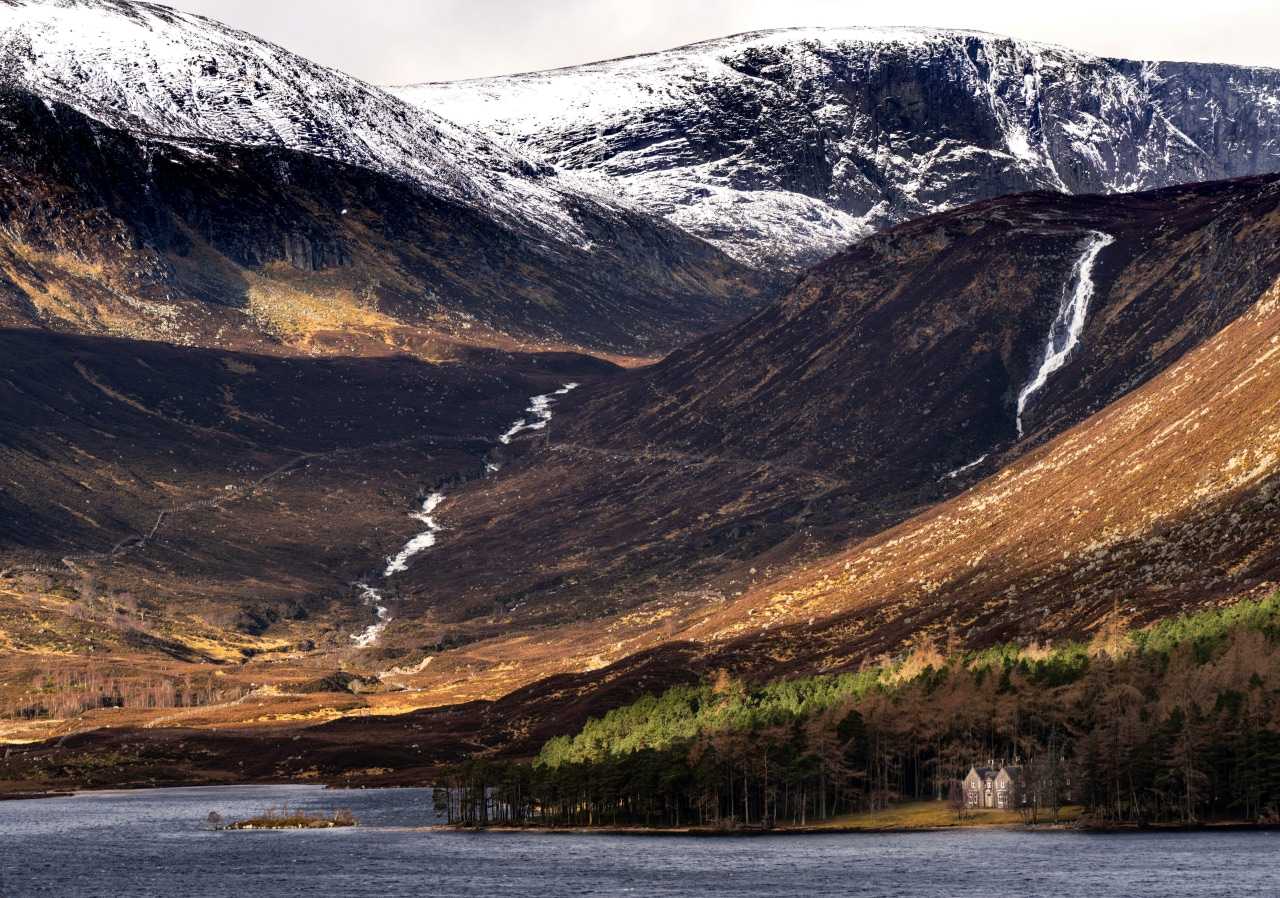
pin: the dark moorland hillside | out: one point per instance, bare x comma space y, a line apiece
204, 243
218, 495
342, 441
655, 532
861, 400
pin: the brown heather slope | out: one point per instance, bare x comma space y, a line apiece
616, 532
827, 418
1166, 500
660, 530
178, 502
187, 482
252, 247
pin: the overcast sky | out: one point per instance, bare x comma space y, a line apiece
399, 41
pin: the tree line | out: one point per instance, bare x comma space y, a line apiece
1174, 723
64, 692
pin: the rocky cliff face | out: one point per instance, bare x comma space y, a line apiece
1229, 112
783, 147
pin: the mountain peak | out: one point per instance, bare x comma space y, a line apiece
783, 147
162, 73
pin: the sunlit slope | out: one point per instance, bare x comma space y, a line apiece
862, 398
1166, 499
676, 502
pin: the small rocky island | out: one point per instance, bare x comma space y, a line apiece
286, 818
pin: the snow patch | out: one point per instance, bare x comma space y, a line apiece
667, 130
183, 78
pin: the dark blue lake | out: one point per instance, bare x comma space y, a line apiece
153, 843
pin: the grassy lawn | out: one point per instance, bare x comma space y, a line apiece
933, 815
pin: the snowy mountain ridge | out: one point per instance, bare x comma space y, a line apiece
782, 147
163, 73
779, 147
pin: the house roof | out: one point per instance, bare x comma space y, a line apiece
990, 773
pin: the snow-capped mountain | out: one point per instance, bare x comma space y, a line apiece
153, 70
448, 228
785, 146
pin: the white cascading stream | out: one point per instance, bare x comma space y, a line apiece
952, 475
371, 633
1067, 327
424, 540
540, 409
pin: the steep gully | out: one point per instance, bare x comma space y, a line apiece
1064, 337
539, 416
1064, 334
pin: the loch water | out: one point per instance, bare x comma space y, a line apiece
156, 843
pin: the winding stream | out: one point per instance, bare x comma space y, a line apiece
540, 409
540, 414
424, 540
371, 633
952, 475
1064, 335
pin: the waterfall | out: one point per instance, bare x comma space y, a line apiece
1064, 335
371, 633
952, 475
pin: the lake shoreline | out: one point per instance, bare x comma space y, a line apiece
25, 796
715, 832
712, 832
168, 842
707, 832
865, 826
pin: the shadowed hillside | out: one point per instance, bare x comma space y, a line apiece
203, 243
784, 497
888, 380
217, 494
